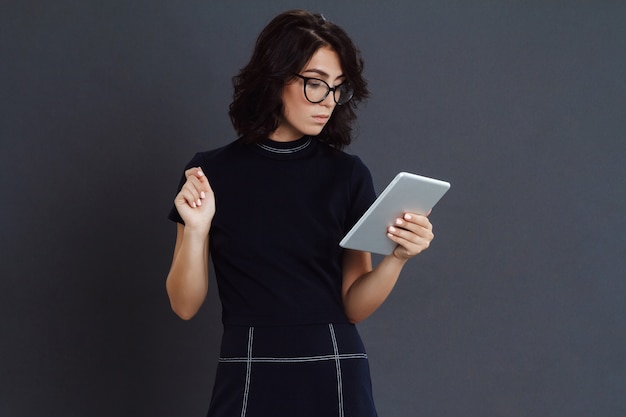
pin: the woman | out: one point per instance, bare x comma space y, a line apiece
271, 208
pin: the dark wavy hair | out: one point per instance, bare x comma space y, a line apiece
283, 48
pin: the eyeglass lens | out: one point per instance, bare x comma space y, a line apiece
317, 90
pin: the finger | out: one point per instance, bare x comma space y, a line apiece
194, 172
199, 188
409, 247
421, 227
409, 235
419, 219
405, 249
185, 197
196, 188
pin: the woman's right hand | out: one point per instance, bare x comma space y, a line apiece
195, 202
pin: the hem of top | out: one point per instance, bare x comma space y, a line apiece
277, 323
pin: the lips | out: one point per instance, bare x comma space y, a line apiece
321, 118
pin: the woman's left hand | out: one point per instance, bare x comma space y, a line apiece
413, 234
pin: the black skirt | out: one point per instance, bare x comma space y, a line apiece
292, 371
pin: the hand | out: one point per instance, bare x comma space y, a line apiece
413, 234
195, 202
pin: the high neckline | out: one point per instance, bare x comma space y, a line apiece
286, 150
285, 147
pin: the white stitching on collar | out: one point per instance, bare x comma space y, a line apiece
283, 151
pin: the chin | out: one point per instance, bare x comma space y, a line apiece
313, 132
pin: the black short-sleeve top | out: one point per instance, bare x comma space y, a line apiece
281, 210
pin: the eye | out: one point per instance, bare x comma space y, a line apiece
315, 83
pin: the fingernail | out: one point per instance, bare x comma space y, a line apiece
392, 229
199, 202
193, 204
407, 216
398, 221
202, 195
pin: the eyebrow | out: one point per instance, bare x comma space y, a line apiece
322, 73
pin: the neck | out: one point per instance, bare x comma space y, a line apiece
284, 135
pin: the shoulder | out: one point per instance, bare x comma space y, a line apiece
353, 162
342, 156
216, 157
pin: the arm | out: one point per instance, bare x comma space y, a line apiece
364, 289
187, 281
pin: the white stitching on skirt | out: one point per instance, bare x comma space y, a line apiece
246, 390
338, 366
336, 357
296, 359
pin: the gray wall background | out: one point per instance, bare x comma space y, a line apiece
518, 308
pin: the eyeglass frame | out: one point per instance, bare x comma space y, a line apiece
333, 89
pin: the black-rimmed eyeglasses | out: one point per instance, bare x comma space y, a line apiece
316, 90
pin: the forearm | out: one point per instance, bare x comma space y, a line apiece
370, 290
187, 281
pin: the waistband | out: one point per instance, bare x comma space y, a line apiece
291, 343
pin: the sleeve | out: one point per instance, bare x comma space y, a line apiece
362, 193
195, 161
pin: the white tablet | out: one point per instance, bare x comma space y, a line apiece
406, 193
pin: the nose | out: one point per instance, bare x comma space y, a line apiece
329, 101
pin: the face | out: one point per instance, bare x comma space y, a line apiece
300, 116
